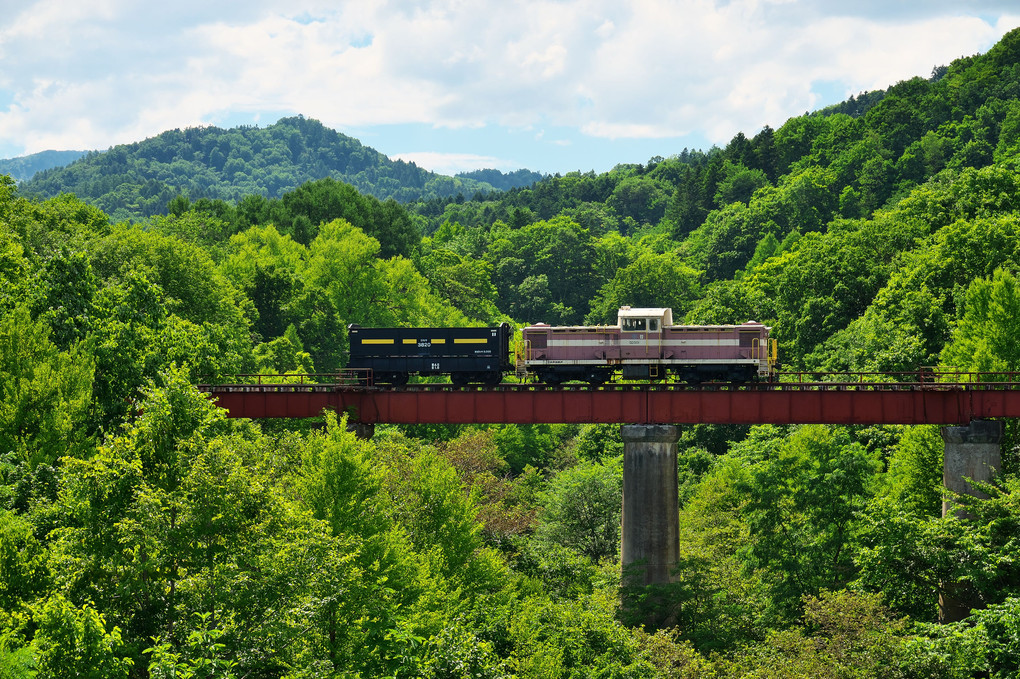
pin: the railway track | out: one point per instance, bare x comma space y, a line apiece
934, 381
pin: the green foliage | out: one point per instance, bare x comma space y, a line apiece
194, 288
194, 226
23, 572
543, 267
803, 504
640, 199
846, 635
953, 651
284, 354
651, 280
1001, 625
273, 271
199, 660
339, 482
581, 509
16, 662
462, 281
985, 338
572, 638
44, 393
324, 201
73, 641
599, 441
457, 653
739, 184
521, 445
65, 297
563, 572
911, 557
440, 520
914, 478
57, 224
344, 262
138, 180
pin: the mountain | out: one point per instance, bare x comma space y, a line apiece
133, 181
503, 182
25, 167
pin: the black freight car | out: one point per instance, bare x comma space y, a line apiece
465, 354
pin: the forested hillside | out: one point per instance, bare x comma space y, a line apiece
144, 534
25, 167
133, 181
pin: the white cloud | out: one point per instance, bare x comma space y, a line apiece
452, 163
111, 71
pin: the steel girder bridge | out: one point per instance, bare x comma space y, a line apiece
923, 397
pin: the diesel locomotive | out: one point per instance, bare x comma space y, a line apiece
643, 345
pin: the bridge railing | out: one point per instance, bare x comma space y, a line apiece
925, 378
990, 379
347, 377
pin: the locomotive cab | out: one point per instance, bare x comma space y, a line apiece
644, 320
641, 333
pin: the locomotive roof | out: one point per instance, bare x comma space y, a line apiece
663, 313
666, 314
747, 325
647, 312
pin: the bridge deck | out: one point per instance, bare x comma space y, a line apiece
795, 402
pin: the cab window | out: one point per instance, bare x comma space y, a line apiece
653, 325
633, 324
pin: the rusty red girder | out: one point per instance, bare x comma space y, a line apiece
796, 403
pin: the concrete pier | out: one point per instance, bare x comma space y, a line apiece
974, 453
650, 541
971, 452
364, 432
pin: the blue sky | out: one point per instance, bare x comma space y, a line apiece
548, 85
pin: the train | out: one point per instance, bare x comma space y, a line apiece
643, 345
467, 355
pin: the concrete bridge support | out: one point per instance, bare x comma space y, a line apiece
971, 452
364, 432
650, 541
974, 453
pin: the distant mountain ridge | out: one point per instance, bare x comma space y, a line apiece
25, 167
134, 181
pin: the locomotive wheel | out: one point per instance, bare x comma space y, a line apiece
460, 379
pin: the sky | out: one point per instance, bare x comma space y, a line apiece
452, 85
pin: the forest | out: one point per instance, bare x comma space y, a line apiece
145, 534
135, 181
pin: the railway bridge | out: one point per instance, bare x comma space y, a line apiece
801, 398
969, 406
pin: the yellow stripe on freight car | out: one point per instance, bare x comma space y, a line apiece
439, 341
377, 341
470, 340
410, 341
